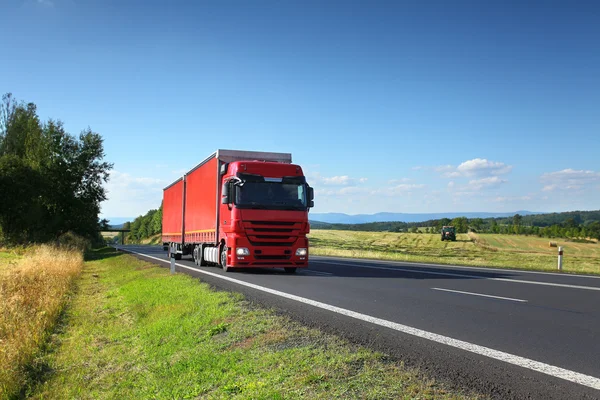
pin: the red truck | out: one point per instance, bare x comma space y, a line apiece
239, 209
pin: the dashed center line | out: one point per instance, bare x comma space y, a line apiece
420, 271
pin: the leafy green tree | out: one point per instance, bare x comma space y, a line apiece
157, 221
477, 224
55, 176
22, 211
461, 224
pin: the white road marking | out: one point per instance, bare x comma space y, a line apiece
538, 366
521, 271
419, 271
480, 294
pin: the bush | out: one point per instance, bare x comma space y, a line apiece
72, 241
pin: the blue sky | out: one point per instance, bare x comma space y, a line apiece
400, 106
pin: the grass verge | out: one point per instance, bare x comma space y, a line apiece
501, 251
134, 331
33, 289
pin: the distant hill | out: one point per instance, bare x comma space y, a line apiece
340, 218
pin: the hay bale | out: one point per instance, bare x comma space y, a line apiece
553, 244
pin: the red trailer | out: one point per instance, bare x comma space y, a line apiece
240, 209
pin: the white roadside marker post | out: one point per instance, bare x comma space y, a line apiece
172, 263
560, 255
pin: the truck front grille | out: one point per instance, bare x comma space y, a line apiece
280, 244
272, 233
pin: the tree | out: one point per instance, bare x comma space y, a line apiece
461, 224
157, 221
52, 180
517, 219
477, 223
22, 211
135, 227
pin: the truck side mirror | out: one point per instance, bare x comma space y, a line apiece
311, 197
225, 193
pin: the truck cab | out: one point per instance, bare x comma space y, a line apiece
264, 214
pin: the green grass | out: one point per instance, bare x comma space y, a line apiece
503, 251
134, 331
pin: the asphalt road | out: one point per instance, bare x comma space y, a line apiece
503, 333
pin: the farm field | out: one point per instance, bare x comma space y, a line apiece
486, 250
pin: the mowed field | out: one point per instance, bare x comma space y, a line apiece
504, 251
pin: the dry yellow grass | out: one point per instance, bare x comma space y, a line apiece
32, 292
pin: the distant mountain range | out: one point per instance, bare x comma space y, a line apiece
340, 218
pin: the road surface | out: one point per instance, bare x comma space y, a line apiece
503, 333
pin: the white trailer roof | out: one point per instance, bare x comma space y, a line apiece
236, 155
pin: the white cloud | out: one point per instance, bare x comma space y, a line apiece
492, 181
316, 180
483, 167
453, 174
337, 180
397, 181
399, 190
451, 184
474, 168
443, 168
504, 199
130, 196
569, 179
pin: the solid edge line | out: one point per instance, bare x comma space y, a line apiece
415, 271
417, 264
557, 372
480, 294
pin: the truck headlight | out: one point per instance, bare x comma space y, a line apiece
301, 252
242, 251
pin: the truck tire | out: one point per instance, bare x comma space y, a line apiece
201, 262
195, 255
290, 270
224, 260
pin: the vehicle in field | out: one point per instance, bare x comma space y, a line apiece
240, 209
448, 233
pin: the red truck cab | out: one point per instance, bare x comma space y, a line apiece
264, 215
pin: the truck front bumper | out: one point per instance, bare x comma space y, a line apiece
275, 256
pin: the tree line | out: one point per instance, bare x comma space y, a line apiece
577, 224
50, 181
144, 226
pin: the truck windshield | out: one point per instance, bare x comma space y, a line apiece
271, 195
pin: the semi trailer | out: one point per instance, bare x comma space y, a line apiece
240, 209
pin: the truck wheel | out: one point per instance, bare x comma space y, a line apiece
177, 256
201, 262
224, 261
290, 270
195, 255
